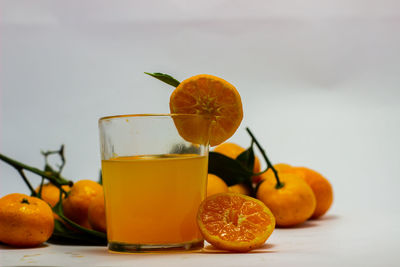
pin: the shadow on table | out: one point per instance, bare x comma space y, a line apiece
329, 217
209, 249
311, 222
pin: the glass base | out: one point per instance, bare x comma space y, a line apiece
139, 248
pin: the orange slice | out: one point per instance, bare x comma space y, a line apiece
235, 222
208, 95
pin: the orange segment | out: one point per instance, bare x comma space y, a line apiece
235, 222
209, 95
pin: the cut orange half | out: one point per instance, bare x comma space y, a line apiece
235, 222
208, 95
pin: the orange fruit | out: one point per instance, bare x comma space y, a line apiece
97, 213
291, 204
212, 96
240, 188
282, 166
235, 222
76, 204
51, 193
215, 185
279, 167
321, 187
25, 221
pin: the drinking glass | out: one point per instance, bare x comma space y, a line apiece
154, 169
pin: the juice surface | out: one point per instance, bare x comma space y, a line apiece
154, 199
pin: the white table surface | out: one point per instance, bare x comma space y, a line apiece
335, 240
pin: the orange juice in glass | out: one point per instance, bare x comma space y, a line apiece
154, 180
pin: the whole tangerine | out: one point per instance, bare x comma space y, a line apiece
50, 193
97, 213
279, 167
25, 221
240, 188
76, 204
292, 203
215, 185
321, 187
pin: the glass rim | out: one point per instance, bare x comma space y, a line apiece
154, 115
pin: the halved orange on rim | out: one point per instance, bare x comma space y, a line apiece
235, 222
208, 95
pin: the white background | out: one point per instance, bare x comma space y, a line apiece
319, 80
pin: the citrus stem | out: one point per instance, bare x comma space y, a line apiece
279, 184
60, 152
57, 181
21, 172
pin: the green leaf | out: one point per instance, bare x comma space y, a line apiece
228, 169
165, 78
100, 181
246, 158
